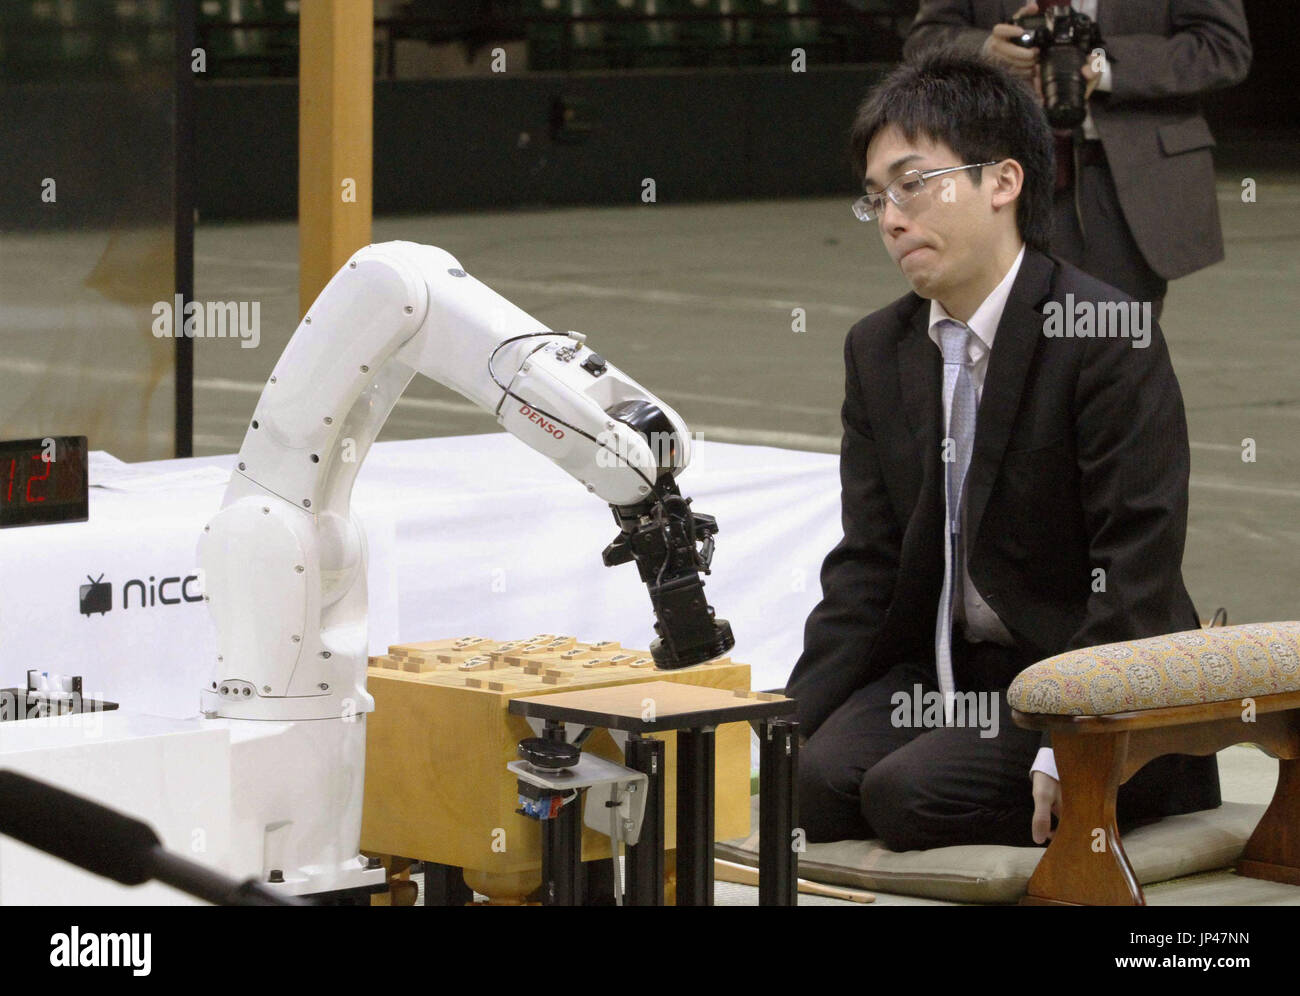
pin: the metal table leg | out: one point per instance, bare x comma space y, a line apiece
562, 845
695, 773
444, 885
778, 861
645, 859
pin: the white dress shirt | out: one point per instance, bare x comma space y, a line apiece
978, 620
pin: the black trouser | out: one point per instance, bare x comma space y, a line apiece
863, 775
1103, 246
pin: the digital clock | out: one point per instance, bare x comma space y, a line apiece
43, 480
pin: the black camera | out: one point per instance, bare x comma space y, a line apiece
1065, 39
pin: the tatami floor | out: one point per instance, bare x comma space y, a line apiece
1247, 775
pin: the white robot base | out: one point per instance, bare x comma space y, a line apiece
296, 805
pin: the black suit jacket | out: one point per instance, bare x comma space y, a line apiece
1080, 462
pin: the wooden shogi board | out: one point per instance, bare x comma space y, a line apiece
438, 742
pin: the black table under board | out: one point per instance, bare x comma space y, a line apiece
694, 712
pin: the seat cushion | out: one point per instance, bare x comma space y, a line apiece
1204, 665
986, 873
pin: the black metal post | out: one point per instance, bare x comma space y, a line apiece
597, 882
695, 762
778, 861
561, 838
562, 844
184, 197
645, 858
444, 885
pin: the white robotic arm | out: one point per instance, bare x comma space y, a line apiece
284, 559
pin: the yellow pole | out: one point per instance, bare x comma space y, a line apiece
335, 125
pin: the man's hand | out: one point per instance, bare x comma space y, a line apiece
1022, 62
1047, 803
1092, 75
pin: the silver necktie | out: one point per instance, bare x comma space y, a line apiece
960, 402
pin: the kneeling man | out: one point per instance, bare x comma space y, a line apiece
1014, 470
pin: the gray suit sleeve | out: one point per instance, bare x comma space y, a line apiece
1208, 50
944, 22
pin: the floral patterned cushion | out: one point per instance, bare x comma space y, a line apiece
1206, 665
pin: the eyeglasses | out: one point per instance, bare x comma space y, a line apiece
902, 189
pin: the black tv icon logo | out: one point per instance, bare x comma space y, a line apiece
96, 596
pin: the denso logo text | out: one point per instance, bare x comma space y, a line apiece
550, 427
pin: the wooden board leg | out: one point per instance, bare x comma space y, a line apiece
1273, 851
1085, 863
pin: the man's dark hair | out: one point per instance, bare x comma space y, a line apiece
978, 110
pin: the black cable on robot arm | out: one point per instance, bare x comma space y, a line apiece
689, 517
544, 413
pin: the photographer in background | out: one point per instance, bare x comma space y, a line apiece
1135, 202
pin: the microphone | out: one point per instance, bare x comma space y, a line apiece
113, 845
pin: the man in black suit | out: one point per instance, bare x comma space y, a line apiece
1065, 531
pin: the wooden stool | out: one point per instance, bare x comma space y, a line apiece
1113, 708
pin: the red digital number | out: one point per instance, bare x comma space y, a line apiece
41, 477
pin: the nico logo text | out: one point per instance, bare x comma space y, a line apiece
97, 596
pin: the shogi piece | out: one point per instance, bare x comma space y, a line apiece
436, 655
438, 742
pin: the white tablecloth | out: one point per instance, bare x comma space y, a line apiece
468, 535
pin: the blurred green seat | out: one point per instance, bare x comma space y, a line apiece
545, 32
636, 44
702, 42
232, 50
770, 39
